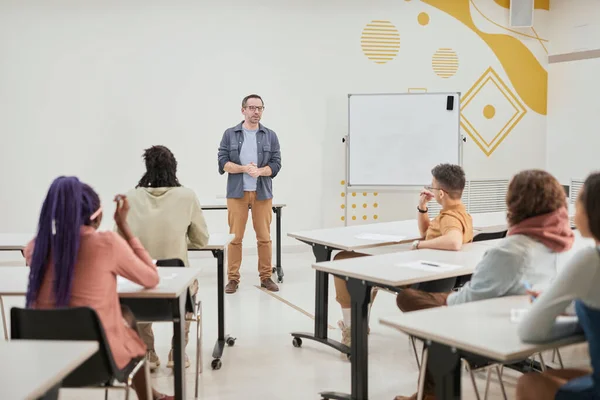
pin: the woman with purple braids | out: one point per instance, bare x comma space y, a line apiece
74, 265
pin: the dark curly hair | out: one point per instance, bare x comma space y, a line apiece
451, 179
531, 193
590, 197
161, 168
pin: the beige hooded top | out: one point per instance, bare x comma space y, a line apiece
167, 221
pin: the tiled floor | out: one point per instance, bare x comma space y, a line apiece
263, 364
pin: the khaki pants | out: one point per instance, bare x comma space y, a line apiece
147, 334
342, 295
262, 214
412, 300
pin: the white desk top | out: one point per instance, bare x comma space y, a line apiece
32, 367
216, 241
387, 269
221, 204
14, 241
173, 281
347, 237
485, 328
18, 241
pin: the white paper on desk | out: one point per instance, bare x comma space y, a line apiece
380, 237
518, 314
432, 266
126, 284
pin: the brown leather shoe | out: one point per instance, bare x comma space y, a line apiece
269, 285
232, 287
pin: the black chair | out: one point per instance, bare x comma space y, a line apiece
78, 323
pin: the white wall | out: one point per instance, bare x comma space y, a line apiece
85, 86
575, 25
573, 107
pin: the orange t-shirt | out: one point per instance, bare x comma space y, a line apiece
455, 217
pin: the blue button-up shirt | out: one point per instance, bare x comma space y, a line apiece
269, 153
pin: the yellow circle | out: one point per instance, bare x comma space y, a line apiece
445, 63
380, 41
342, 182
343, 206
374, 217
343, 218
375, 205
353, 205
343, 194
365, 217
375, 194
364, 193
489, 111
353, 194
354, 218
365, 205
423, 18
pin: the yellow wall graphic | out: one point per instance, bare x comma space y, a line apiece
380, 41
526, 74
445, 62
478, 117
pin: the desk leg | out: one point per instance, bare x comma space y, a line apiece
360, 294
278, 268
322, 253
179, 346
222, 338
445, 367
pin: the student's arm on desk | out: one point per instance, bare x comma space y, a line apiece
498, 271
450, 241
133, 261
197, 231
573, 282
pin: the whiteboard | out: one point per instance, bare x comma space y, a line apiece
396, 139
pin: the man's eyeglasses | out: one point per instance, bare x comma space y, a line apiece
433, 188
256, 108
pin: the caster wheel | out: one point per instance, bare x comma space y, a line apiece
279, 279
230, 342
297, 342
216, 364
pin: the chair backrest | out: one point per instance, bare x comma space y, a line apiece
480, 237
177, 263
78, 323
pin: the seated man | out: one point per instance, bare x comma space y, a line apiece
448, 231
539, 229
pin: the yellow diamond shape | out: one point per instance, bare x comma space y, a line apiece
490, 77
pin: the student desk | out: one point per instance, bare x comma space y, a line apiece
368, 239
34, 369
166, 302
387, 271
221, 204
217, 244
485, 330
351, 238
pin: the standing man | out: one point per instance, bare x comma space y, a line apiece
249, 153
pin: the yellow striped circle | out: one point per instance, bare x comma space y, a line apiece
445, 63
380, 41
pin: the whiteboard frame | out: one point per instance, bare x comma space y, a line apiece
390, 188
394, 188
